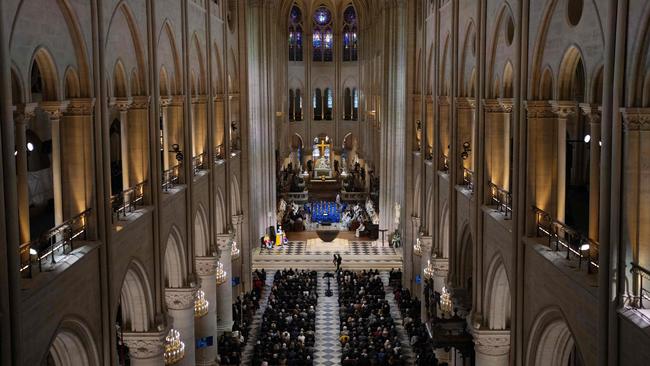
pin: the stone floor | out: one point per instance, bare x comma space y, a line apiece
247, 353
407, 351
327, 348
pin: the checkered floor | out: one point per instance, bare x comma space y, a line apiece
327, 348
407, 351
249, 349
353, 248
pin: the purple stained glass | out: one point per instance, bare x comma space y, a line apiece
328, 39
322, 16
295, 14
350, 15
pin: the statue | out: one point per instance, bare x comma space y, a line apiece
396, 239
397, 213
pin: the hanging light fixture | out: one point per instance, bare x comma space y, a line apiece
234, 252
200, 304
174, 347
446, 303
428, 270
417, 247
221, 274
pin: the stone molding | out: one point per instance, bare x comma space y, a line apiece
165, 101
206, 266
426, 242
491, 342
54, 109
506, 104
238, 219
140, 102
564, 108
443, 100
539, 109
26, 112
144, 345
440, 267
200, 99
591, 111
492, 106
224, 242
636, 119
80, 107
121, 104
465, 103
180, 298
177, 100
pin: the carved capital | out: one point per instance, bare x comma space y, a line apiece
492, 106
121, 104
465, 103
144, 345
636, 119
539, 109
564, 108
140, 102
80, 107
506, 104
591, 111
440, 267
25, 112
224, 243
199, 99
206, 266
54, 109
491, 342
180, 298
237, 219
443, 100
426, 242
165, 101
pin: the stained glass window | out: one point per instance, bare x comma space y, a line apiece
329, 103
323, 36
295, 34
350, 40
355, 104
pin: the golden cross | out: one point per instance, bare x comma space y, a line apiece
322, 147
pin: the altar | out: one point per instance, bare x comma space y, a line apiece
322, 157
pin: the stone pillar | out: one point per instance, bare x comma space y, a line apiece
440, 273
145, 349
55, 112
592, 112
164, 106
139, 140
426, 242
206, 326
22, 118
225, 319
491, 347
123, 105
466, 130
180, 305
199, 125
563, 110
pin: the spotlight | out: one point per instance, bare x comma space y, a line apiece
587, 138
584, 247
600, 143
15, 152
30, 146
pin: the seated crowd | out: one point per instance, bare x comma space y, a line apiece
288, 327
368, 333
420, 340
231, 344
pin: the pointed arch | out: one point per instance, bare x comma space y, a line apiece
218, 75
551, 341
417, 196
164, 82
546, 85
49, 78
73, 344
572, 65
17, 93
235, 197
504, 17
201, 237
220, 209
136, 298
233, 73
508, 91
175, 82
120, 80
199, 55
467, 52
139, 74
498, 300
443, 244
175, 268
446, 67
71, 87
465, 257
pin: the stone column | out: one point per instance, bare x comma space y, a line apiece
145, 349
592, 112
22, 118
225, 319
123, 105
180, 305
426, 243
164, 106
563, 110
55, 112
492, 347
139, 140
440, 273
206, 326
465, 108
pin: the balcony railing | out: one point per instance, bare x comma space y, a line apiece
170, 177
125, 202
640, 291
219, 154
567, 238
468, 179
58, 239
445, 163
198, 163
502, 199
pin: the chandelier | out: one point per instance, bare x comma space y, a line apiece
428, 270
174, 347
200, 304
417, 248
234, 252
221, 274
446, 303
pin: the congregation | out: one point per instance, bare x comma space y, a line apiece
288, 326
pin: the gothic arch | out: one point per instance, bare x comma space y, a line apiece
498, 301
175, 268
466, 54
71, 87
446, 67
551, 341
49, 75
504, 13
198, 50
175, 86
163, 82
417, 198
123, 8
73, 344
235, 196
201, 236
465, 257
430, 212
120, 80
639, 85
233, 73
571, 61
220, 209
546, 85
443, 244
136, 298
218, 75
508, 90
430, 72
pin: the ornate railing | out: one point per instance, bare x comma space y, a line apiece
171, 177
468, 178
219, 154
353, 196
198, 163
502, 199
59, 238
565, 237
298, 197
126, 201
445, 163
640, 291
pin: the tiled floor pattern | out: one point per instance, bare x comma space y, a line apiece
247, 353
407, 351
353, 248
327, 348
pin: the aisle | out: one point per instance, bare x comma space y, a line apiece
249, 349
327, 348
407, 351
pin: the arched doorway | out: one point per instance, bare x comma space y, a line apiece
551, 342
72, 345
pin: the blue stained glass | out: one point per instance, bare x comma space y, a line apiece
295, 14
299, 38
317, 40
322, 16
346, 39
330, 100
328, 39
356, 98
350, 15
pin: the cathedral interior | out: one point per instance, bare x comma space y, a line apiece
324, 182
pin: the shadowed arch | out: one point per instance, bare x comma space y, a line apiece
71, 87
136, 298
120, 80
443, 244
49, 76
175, 268
73, 344
498, 301
220, 207
551, 342
201, 239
